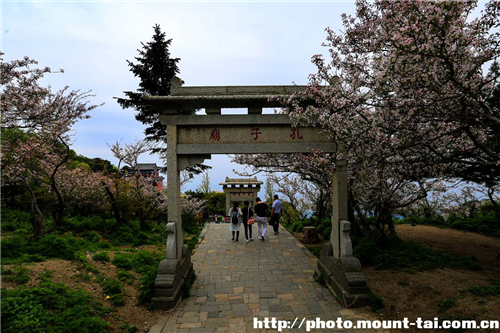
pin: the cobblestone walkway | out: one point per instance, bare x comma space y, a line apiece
237, 281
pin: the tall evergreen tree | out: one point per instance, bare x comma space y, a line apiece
155, 68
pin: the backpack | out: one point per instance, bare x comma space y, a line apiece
234, 217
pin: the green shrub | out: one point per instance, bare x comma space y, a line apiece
13, 220
111, 287
20, 274
314, 250
123, 260
125, 276
101, 256
408, 256
446, 304
146, 285
114, 289
50, 308
376, 302
492, 290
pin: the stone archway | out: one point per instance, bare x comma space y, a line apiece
192, 139
240, 190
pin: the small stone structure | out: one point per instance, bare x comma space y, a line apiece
240, 189
193, 138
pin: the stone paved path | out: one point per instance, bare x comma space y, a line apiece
237, 281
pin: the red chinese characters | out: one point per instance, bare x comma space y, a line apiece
215, 135
296, 134
255, 132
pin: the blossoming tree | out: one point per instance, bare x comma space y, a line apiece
36, 123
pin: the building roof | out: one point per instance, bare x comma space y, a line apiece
241, 181
147, 166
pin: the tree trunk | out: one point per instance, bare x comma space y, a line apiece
36, 217
494, 203
116, 211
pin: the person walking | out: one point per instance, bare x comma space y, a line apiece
261, 211
276, 214
235, 215
247, 214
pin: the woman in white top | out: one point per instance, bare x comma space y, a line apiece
235, 216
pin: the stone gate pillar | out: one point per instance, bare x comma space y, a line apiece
228, 203
340, 269
177, 267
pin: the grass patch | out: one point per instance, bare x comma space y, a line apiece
51, 307
492, 290
484, 222
20, 275
376, 302
408, 256
101, 256
316, 250
447, 304
114, 290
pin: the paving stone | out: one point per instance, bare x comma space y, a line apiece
237, 281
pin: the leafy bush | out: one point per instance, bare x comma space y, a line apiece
446, 304
20, 275
114, 289
492, 290
125, 276
13, 220
147, 284
19, 248
409, 256
376, 302
50, 307
101, 256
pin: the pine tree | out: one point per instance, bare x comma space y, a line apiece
155, 68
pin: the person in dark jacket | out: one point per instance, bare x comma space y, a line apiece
261, 211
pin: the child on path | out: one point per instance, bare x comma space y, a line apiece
235, 216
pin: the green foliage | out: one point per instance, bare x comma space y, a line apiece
145, 263
114, 289
314, 250
126, 328
376, 302
125, 276
408, 256
447, 304
323, 226
188, 284
13, 220
101, 256
147, 284
138, 261
319, 278
20, 274
50, 307
492, 290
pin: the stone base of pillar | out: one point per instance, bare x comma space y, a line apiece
170, 279
345, 278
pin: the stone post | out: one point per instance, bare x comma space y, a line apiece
339, 205
228, 203
174, 193
177, 267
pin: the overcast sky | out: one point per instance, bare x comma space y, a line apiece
219, 43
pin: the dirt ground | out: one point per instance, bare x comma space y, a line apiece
419, 295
